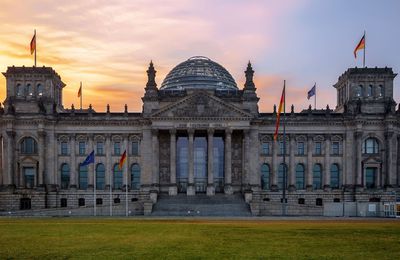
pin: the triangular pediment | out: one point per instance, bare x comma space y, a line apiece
201, 105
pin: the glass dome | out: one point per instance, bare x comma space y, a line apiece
198, 72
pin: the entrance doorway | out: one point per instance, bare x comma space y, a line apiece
370, 177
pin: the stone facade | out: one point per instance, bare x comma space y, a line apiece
198, 133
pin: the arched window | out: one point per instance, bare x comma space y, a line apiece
100, 176
317, 176
359, 90
117, 177
371, 146
29, 89
20, 90
265, 172
64, 176
28, 146
335, 176
83, 177
300, 176
135, 176
380, 91
39, 89
281, 173
370, 91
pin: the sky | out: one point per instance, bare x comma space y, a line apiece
108, 44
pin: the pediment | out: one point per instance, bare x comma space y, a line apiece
201, 105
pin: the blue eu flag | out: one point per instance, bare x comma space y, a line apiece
311, 92
89, 159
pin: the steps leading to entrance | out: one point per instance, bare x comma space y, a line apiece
201, 205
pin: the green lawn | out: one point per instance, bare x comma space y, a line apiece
64, 238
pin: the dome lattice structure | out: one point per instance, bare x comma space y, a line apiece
198, 72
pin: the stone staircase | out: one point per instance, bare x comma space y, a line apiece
201, 205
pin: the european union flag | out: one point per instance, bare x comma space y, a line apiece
311, 92
89, 159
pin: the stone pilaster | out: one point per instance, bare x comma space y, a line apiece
358, 166
190, 188
327, 162
292, 167
10, 159
125, 168
246, 170
91, 166
173, 189
210, 162
73, 177
109, 167
254, 165
228, 162
309, 168
42, 152
391, 147
274, 173
156, 159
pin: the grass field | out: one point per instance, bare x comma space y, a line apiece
89, 238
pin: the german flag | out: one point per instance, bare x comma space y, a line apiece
80, 90
122, 160
33, 43
360, 46
281, 106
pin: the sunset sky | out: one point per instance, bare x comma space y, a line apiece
108, 44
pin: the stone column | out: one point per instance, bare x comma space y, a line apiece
190, 187
125, 168
173, 189
42, 151
91, 166
274, 179
327, 162
254, 159
108, 165
228, 162
156, 159
210, 163
358, 166
391, 147
292, 167
246, 171
10, 159
309, 174
74, 166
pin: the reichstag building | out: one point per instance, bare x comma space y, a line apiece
199, 135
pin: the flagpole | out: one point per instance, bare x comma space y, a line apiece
284, 150
81, 95
315, 96
365, 46
94, 188
35, 47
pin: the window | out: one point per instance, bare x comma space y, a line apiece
300, 176
371, 146
117, 148
380, 91
100, 148
359, 91
117, 200
117, 177
317, 177
334, 176
301, 201
300, 148
318, 148
81, 202
39, 89
83, 177
64, 176
135, 148
28, 146
265, 148
369, 91
135, 176
100, 176
64, 148
281, 147
24, 203
335, 148
370, 178
20, 90
99, 201
29, 177
265, 172
63, 203
336, 200
282, 171
82, 148
29, 89
318, 202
